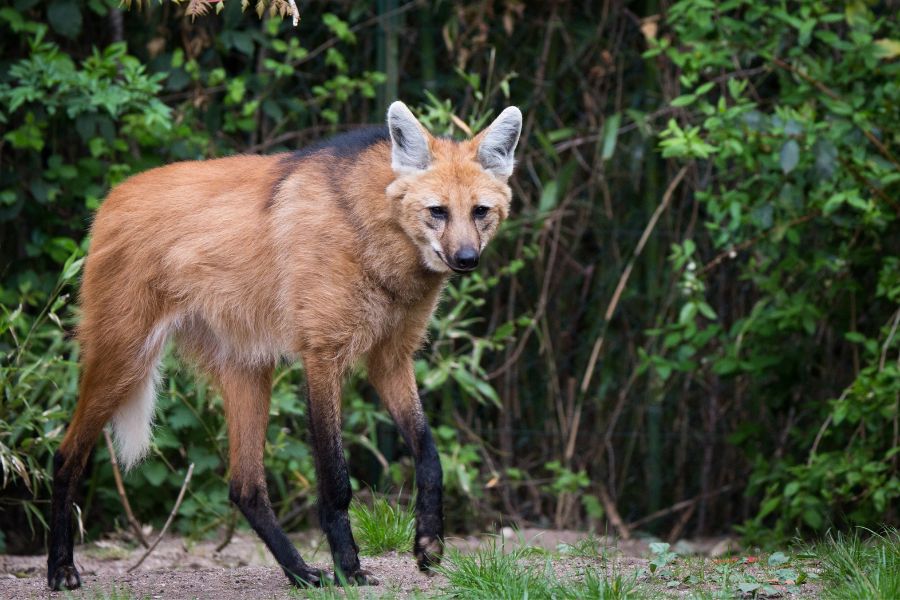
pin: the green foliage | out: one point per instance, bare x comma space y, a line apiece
382, 527
805, 181
662, 557
39, 374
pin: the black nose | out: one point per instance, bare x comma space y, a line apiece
466, 259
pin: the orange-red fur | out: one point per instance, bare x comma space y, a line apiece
248, 259
194, 243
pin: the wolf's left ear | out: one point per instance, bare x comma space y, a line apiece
497, 148
409, 144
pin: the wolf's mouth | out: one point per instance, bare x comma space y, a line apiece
451, 267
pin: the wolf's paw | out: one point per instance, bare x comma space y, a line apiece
428, 551
359, 577
63, 577
309, 578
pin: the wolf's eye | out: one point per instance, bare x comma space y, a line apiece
438, 212
480, 212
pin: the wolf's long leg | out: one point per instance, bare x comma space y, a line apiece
396, 386
117, 381
246, 393
324, 388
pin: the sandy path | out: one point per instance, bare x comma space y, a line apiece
180, 569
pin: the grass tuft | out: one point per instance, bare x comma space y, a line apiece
861, 568
491, 573
589, 547
382, 527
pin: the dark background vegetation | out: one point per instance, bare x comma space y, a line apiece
688, 326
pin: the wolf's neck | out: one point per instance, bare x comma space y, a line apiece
388, 256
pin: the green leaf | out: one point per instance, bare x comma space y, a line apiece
685, 100
826, 159
558, 135
72, 268
592, 505
242, 42
659, 547
790, 156
610, 134
155, 472
813, 518
504, 331
887, 49
64, 17
687, 313
707, 311
767, 507
549, 197
181, 417
340, 28
748, 587
833, 203
777, 559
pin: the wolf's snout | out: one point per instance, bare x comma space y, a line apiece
466, 259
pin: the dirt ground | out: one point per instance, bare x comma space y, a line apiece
244, 569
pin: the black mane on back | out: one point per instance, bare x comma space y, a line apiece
345, 145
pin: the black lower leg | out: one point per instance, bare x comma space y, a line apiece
253, 501
334, 498
61, 570
428, 545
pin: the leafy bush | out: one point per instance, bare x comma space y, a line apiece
803, 176
39, 374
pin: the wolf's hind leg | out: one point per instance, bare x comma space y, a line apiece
118, 378
246, 393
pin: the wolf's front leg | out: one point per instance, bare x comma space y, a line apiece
324, 390
396, 385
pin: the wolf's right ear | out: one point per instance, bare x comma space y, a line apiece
409, 141
497, 145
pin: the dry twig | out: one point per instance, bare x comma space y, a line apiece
626, 274
187, 479
120, 487
613, 513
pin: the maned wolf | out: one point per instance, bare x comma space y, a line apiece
330, 254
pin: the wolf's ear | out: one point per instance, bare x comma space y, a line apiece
409, 144
497, 147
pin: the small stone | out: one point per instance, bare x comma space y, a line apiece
684, 547
725, 546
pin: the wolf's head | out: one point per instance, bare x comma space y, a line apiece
451, 196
